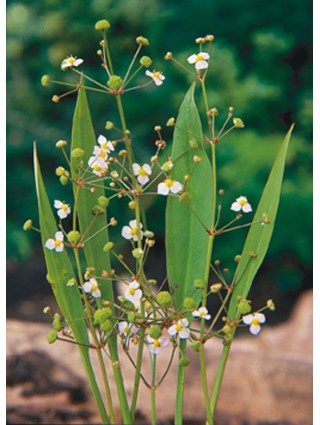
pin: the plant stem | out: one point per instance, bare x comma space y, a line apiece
153, 390
205, 389
178, 420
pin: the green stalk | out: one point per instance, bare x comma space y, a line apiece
96, 342
153, 391
178, 419
204, 381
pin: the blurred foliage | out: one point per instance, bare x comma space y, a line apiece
261, 64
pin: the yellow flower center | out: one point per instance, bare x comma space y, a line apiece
243, 202
57, 242
126, 330
156, 75
103, 153
94, 287
96, 167
179, 327
255, 322
156, 343
134, 231
142, 172
71, 60
169, 182
199, 57
64, 207
132, 291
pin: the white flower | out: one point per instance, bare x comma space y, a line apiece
55, 243
156, 76
92, 287
181, 328
132, 231
155, 344
143, 172
105, 144
254, 320
63, 209
70, 62
98, 165
126, 329
200, 60
133, 293
241, 203
169, 185
202, 312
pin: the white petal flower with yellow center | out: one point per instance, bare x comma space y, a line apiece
63, 209
169, 185
71, 62
155, 344
127, 329
55, 243
181, 329
254, 320
241, 203
143, 172
202, 313
200, 60
98, 166
157, 77
132, 231
133, 292
105, 144
92, 287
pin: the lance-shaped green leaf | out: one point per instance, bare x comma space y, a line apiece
93, 226
187, 240
259, 235
60, 270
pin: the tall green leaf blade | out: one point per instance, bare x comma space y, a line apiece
83, 137
259, 236
60, 270
186, 238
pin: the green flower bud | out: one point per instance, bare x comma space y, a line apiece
101, 315
237, 258
152, 282
195, 346
52, 337
215, 287
270, 305
60, 171
27, 225
64, 180
142, 40
102, 25
131, 316
73, 236
193, 144
114, 82
148, 234
171, 122
137, 253
57, 325
167, 166
132, 205
184, 361
106, 326
227, 329
155, 332
244, 307
199, 284
189, 303
109, 125
103, 201
145, 61
61, 144
185, 198
45, 79
164, 299
97, 210
77, 153
55, 99
71, 282
238, 123
108, 246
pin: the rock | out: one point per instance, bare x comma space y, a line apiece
268, 379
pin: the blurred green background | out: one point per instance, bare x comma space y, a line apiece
261, 65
